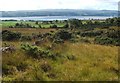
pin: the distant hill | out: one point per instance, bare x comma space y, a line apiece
59, 12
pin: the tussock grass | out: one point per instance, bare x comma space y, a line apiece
79, 61
93, 62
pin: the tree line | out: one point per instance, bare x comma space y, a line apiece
73, 24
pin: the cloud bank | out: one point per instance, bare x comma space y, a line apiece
12, 5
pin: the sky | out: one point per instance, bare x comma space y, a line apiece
13, 5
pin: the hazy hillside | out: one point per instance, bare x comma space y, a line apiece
59, 12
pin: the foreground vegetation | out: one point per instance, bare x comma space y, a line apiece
72, 52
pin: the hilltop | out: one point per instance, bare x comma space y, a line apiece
59, 12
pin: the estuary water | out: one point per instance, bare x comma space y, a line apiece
51, 18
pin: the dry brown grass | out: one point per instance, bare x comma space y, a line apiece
93, 62
28, 31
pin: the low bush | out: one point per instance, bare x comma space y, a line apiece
113, 33
71, 57
53, 26
58, 41
104, 40
46, 67
7, 70
9, 35
52, 75
22, 66
26, 38
110, 36
23, 25
91, 33
66, 26
63, 34
85, 40
37, 52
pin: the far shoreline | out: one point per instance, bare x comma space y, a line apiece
53, 18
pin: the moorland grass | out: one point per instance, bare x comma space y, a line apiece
92, 62
78, 61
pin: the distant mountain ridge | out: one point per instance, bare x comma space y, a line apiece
59, 12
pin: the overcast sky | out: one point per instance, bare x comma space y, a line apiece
12, 5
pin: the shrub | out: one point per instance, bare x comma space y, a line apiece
25, 38
62, 34
85, 40
52, 75
113, 33
40, 26
11, 26
37, 52
21, 25
71, 57
53, 26
7, 70
110, 36
58, 40
75, 23
36, 22
22, 66
66, 26
46, 67
91, 33
32, 50
73, 40
104, 40
9, 36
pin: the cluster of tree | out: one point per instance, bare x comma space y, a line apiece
21, 25
24, 25
10, 20
75, 23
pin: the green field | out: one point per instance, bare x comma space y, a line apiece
6, 24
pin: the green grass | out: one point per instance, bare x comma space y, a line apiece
9, 23
6, 24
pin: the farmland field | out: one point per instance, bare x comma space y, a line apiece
44, 25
